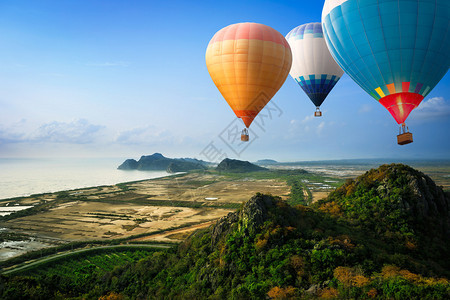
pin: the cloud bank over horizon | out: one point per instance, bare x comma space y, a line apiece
432, 109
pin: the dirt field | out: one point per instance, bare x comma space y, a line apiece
175, 235
319, 195
183, 202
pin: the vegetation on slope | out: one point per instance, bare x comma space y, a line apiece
401, 206
68, 276
382, 235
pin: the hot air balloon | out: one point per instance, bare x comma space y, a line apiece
248, 63
313, 67
397, 51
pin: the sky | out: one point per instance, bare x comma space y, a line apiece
90, 78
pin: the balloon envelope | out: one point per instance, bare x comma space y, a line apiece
248, 63
313, 67
397, 51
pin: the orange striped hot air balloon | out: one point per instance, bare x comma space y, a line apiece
248, 63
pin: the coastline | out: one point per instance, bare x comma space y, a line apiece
27, 177
90, 187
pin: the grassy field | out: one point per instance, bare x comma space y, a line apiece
104, 258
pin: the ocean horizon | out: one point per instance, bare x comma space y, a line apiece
21, 177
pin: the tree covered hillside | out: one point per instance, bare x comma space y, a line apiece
382, 235
401, 206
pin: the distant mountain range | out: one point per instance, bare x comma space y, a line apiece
358, 161
158, 162
238, 166
266, 162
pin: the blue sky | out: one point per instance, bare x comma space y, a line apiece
127, 78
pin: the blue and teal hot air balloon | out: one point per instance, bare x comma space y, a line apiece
396, 50
313, 67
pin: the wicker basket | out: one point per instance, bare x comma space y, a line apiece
404, 138
317, 113
244, 137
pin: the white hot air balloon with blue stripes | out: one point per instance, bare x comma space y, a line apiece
313, 67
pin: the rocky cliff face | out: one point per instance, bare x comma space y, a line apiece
249, 218
430, 200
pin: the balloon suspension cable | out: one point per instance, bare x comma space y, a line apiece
403, 128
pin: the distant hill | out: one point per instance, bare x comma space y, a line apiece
237, 166
382, 235
159, 162
266, 162
372, 162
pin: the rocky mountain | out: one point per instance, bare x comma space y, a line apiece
393, 198
237, 166
159, 162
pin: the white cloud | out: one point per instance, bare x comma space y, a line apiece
13, 133
433, 108
75, 132
320, 127
306, 127
307, 119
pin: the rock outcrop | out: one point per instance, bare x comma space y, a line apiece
249, 218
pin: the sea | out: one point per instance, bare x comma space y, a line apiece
28, 176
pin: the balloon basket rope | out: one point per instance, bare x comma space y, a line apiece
405, 137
